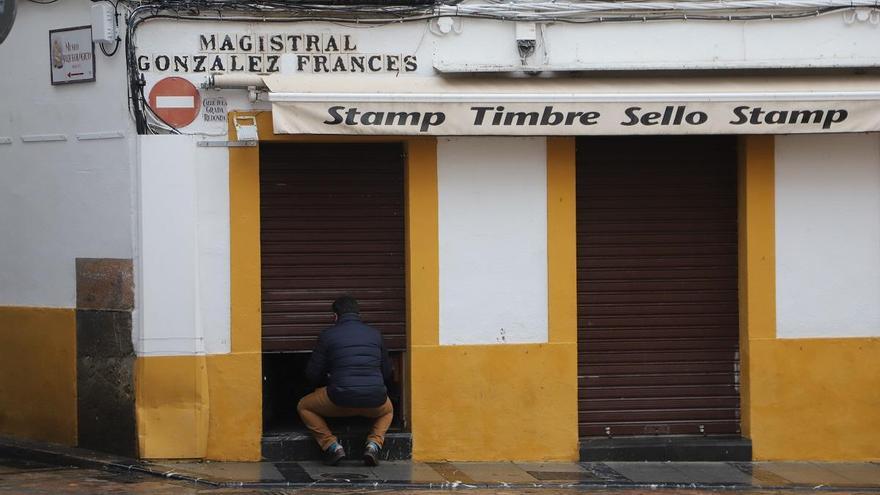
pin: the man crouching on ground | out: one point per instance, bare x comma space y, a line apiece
350, 366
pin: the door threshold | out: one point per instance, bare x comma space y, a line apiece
299, 446
666, 448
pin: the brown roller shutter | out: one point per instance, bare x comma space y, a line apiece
331, 223
657, 286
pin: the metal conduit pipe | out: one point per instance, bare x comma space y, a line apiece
563, 8
535, 11
234, 81
537, 97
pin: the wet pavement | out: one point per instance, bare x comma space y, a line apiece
24, 478
29, 477
29, 468
407, 474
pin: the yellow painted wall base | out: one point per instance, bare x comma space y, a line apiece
38, 373
815, 399
235, 426
495, 402
172, 398
199, 406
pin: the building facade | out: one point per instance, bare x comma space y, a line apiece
577, 229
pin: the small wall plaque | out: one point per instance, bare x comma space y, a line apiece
71, 55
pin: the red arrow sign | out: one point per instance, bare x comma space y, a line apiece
71, 74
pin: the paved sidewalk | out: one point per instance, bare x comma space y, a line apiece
461, 475
762, 475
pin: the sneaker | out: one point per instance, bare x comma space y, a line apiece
371, 454
334, 454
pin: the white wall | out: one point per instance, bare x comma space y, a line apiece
489, 45
828, 236
185, 247
67, 199
825, 41
173, 37
493, 240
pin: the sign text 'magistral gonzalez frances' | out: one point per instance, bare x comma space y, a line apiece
313, 53
576, 119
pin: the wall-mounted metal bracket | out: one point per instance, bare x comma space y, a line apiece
91, 136
227, 144
246, 127
42, 138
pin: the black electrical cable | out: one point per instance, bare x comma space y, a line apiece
137, 102
345, 9
115, 47
363, 12
156, 115
134, 81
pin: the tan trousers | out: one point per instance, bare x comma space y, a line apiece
316, 406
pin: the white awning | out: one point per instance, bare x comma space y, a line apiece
377, 105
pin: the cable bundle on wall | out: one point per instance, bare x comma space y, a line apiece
375, 12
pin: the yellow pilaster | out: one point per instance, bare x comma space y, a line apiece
422, 242
496, 402
244, 240
758, 236
802, 399
757, 266
561, 240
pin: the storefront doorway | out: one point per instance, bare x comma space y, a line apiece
331, 223
658, 323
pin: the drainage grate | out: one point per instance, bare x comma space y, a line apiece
343, 476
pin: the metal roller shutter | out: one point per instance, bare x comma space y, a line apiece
331, 223
657, 286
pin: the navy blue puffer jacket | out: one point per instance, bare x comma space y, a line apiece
351, 360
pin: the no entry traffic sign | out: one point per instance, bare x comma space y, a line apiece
176, 101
